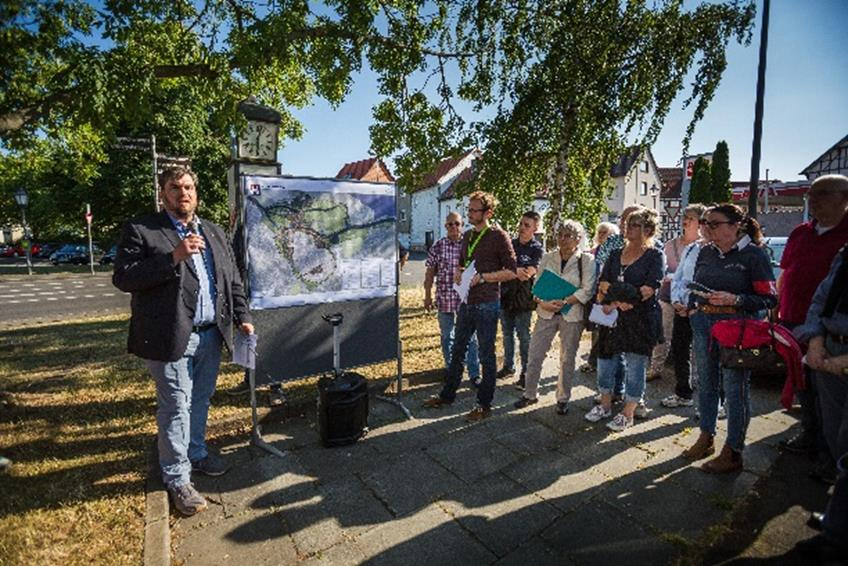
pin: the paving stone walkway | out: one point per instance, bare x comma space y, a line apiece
522, 487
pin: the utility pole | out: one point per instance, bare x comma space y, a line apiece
88, 219
155, 173
758, 115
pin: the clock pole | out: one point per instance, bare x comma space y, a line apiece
254, 152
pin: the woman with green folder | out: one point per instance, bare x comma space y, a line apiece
576, 269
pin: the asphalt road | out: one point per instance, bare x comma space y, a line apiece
48, 298
56, 297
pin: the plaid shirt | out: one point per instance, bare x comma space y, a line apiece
444, 258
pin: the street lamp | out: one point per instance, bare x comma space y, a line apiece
655, 191
22, 198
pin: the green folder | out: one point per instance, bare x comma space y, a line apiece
551, 287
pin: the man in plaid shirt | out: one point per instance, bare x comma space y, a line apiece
442, 262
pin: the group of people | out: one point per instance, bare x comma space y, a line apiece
666, 300
187, 298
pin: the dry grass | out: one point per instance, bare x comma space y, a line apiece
76, 418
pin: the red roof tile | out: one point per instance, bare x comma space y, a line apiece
372, 169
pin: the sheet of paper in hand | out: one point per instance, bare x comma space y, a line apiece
599, 317
244, 350
464, 286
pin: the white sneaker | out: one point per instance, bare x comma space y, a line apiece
619, 423
597, 413
641, 411
673, 401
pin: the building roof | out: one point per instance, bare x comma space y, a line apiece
371, 169
465, 176
625, 162
671, 179
819, 158
442, 168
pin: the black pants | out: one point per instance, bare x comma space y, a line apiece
681, 346
811, 416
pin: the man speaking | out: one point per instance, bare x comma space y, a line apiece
186, 295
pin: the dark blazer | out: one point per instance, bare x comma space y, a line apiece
164, 296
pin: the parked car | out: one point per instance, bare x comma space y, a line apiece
46, 250
774, 246
109, 257
18, 250
76, 254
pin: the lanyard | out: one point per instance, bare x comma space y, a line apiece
472, 245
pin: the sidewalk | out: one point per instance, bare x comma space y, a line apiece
522, 487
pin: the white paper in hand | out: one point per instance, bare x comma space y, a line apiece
598, 316
244, 350
464, 286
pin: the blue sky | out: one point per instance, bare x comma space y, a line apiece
805, 110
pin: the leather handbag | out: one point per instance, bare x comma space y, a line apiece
764, 358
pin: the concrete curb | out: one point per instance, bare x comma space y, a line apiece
157, 529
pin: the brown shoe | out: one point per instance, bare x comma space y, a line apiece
435, 402
478, 414
702, 448
727, 462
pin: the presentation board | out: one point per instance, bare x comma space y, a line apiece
314, 247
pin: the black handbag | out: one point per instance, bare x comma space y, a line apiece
587, 307
764, 358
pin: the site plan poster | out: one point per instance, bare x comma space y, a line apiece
312, 241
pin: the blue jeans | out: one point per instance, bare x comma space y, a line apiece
483, 319
618, 360
635, 370
712, 377
184, 389
447, 322
512, 324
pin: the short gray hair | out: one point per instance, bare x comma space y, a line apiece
571, 226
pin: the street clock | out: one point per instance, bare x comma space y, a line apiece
254, 151
259, 141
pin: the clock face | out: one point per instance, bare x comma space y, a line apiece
259, 141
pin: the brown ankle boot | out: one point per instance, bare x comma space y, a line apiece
702, 448
727, 462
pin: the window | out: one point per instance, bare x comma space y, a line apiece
643, 167
643, 189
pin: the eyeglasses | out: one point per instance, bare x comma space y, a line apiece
567, 236
712, 225
477, 209
453, 223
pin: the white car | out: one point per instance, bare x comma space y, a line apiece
774, 246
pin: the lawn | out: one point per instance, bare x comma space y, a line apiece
77, 420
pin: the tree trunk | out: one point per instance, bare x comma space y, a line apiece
556, 194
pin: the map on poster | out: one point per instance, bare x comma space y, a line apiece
313, 241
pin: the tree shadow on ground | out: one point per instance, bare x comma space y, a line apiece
522, 485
